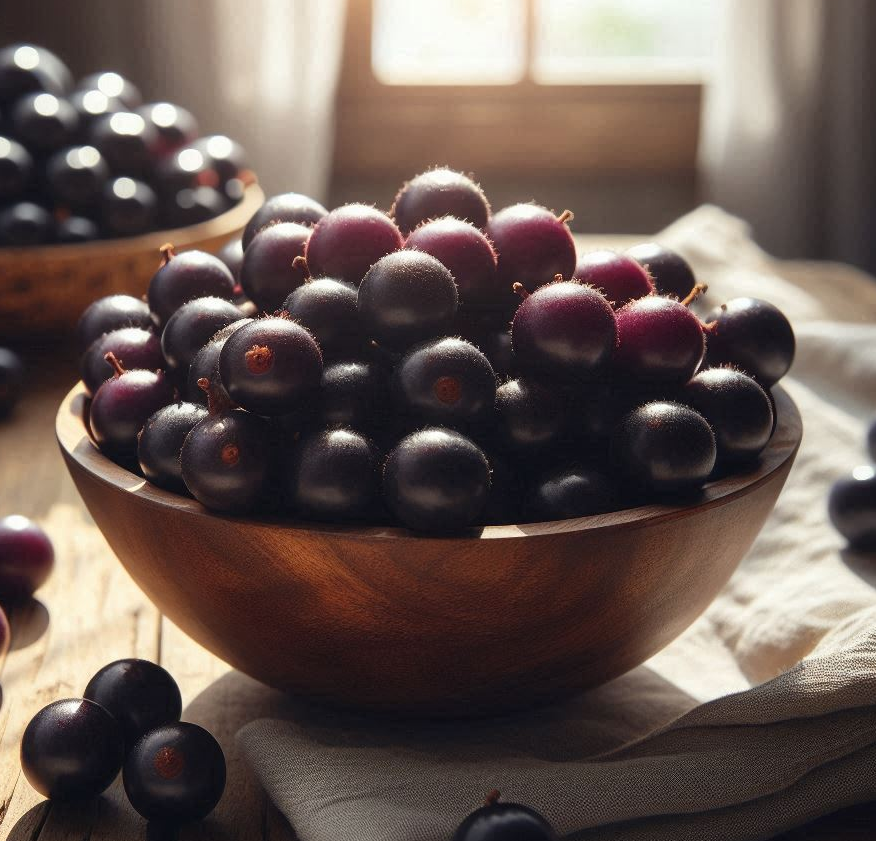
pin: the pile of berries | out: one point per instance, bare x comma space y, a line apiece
89, 160
173, 771
439, 366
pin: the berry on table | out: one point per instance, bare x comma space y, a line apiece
26, 558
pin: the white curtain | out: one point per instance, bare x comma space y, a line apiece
264, 72
788, 134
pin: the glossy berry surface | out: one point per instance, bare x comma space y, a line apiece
91, 105
11, 380
128, 207
192, 206
327, 308
671, 273
16, 169
26, 558
436, 479
529, 416
352, 394
114, 86
467, 253
436, 193
160, 443
407, 297
445, 382
26, 68
345, 243
665, 447
659, 340
205, 365
852, 508
134, 347
753, 335
225, 460
270, 365
122, 405
184, 277
565, 328
44, 123
287, 207
75, 229
232, 255
72, 750
77, 176
736, 407
269, 272
226, 157
333, 476
620, 278
127, 142
183, 169
532, 244
192, 326
504, 822
175, 774
138, 694
559, 493
111, 313
25, 224
174, 126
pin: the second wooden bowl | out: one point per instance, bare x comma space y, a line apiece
383, 619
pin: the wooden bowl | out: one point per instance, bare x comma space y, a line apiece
46, 288
382, 619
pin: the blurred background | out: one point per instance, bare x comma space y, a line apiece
629, 112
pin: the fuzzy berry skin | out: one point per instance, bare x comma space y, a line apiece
659, 340
287, 207
269, 272
436, 193
111, 313
184, 277
467, 253
565, 328
134, 347
345, 243
532, 244
620, 278
670, 271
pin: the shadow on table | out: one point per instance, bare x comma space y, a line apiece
863, 564
28, 622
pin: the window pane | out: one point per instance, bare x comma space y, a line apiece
448, 41
595, 40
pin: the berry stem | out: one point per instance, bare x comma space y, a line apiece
694, 294
520, 290
566, 216
300, 262
492, 797
118, 370
168, 252
217, 402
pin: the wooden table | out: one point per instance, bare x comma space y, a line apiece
90, 612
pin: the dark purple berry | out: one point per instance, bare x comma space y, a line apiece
175, 774
349, 240
127, 142
504, 500
232, 255
175, 126
564, 328
160, 443
192, 326
25, 68
138, 694
333, 476
620, 278
77, 176
436, 193
11, 380
670, 271
270, 366
271, 269
134, 347
467, 253
736, 407
852, 508
184, 169
76, 229
226, 157
559, 493
72, 750
504, 822
533, 246
446, 382
128, 207
192, 206
16, 169
44, 123
114, 86
287, 207
754, 336
327, 308
26, 558
659, 339
205, 365
664, 447
184, 277
436, 480
91, 105
25, 224
352, 394
530, 417
407, 297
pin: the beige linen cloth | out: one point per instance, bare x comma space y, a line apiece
760, 717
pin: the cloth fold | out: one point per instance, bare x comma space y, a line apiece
760, 717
